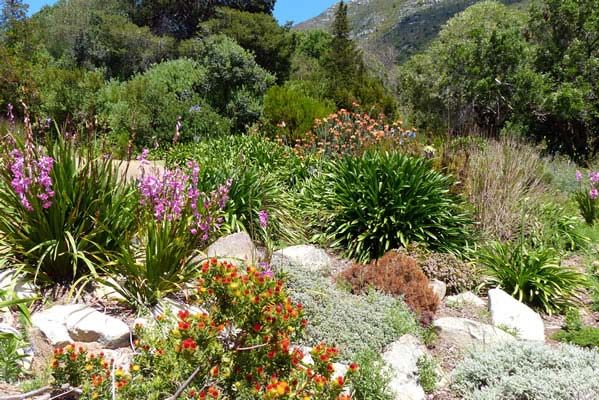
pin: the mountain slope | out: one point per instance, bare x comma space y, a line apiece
393, 30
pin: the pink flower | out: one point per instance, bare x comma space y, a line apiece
263, 215
578, 176
594, 193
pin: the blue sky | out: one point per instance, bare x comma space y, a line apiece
285, 10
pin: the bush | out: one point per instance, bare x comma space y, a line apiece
64, 212
353, 323
533, 276
396, 274
352, 133
241, 350
586, 197
371, 382
151, 104
528, 370
380, 201
292, 110
576, 333
234, 84
458, 275
427, 373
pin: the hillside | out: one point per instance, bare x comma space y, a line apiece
393, 30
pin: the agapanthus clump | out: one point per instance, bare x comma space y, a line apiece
586, 197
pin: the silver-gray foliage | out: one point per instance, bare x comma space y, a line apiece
531, 371
352, 323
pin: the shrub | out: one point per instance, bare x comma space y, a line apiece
533, 276
353, 323
242, 349
576, 333
458, 275
371, 382
293, 111
64, 212
528, 370
380, 201
396, 274
587, 198
151, 104
352, 133
175, 219
427, 373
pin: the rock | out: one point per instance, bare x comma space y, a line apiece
237, 248
107, 292
439, 288
465, 298
52, 323
307, 257
465, 333
89, 325
508, 312
21, 286
401, 358
65, 324
7, 329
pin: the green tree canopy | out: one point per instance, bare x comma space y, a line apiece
271, 44
180, 18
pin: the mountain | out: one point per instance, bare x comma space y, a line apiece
393, 30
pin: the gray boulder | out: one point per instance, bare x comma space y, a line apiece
237, 248
401, 358
307, 257
508, 312
64, 324
89, 325
466, 334
18, 284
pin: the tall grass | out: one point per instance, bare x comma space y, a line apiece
504, 181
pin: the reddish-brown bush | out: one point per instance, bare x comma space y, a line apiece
396, 274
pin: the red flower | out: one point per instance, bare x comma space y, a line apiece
189, 344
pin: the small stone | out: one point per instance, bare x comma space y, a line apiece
439, 288
465, 298
508, 312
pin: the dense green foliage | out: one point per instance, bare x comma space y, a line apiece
532, 275
371, 204
87, 218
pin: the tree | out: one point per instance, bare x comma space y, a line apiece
97, 34
566, 36
347, 76
180, 18
234, 83
471, 78
12, 10
259, 33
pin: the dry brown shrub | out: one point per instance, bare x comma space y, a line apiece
396, 274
